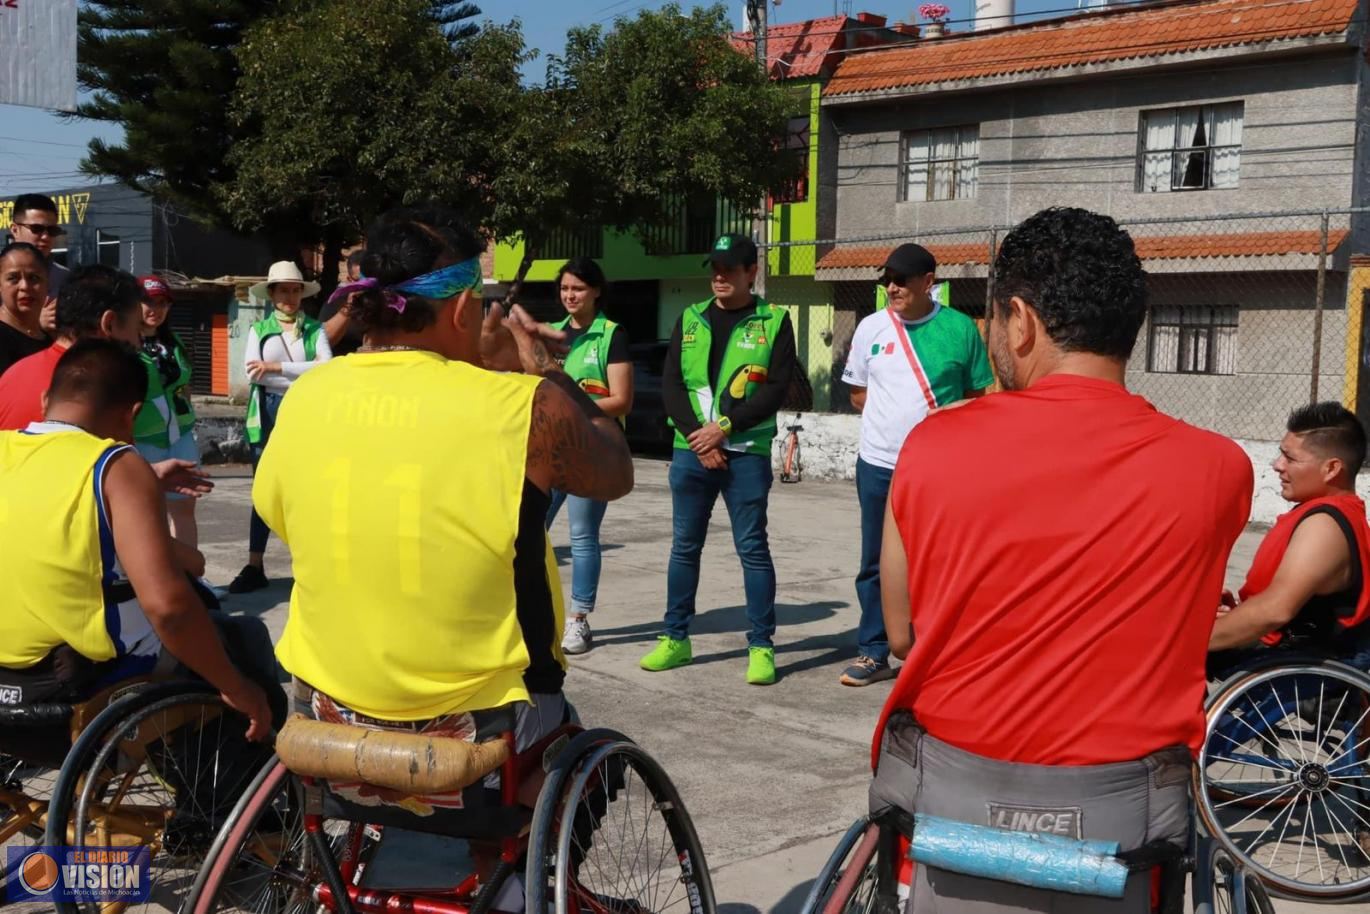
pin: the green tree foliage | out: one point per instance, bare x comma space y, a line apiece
633, 120
162, 69
165, 70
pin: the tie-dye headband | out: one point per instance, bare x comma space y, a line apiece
439, 285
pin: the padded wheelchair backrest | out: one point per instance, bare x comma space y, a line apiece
410, 762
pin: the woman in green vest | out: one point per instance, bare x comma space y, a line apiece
165, 426
280, 347
598, 361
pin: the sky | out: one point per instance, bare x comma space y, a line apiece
40, 150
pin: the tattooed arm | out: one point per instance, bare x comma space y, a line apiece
572, 445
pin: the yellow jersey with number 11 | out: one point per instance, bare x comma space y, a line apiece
395, 478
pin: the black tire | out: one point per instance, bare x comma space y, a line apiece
857, 846
860, 876
1226, 877
1283, 777
194, 716
572, 808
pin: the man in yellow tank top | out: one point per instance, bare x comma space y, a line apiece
74, 501
411, 480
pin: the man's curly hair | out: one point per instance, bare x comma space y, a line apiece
1081, 273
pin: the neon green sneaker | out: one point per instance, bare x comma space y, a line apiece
667, 655
761, 665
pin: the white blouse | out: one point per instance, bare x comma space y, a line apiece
289, 351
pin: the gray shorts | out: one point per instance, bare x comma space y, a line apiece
1133, 803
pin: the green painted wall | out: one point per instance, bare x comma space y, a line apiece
811, 310
625, 259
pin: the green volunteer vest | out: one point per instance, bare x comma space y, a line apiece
266, 328
745, 365
588, 361
152, 425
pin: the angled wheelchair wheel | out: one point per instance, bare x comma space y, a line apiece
610, 835
160, 768
1283, 780
858, 878
1236, 891
264, 862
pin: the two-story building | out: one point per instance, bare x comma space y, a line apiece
1190, 122
653, 283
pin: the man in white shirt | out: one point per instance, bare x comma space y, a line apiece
906, 360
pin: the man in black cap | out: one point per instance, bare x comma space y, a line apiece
907, 360
727, 371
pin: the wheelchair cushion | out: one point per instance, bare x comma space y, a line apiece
414, 763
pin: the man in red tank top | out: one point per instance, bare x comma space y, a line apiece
1057, 548
1306, 589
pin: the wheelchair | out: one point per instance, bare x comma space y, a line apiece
1283, 779
606, 834
138, 764
871, 871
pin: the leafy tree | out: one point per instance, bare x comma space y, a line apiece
632, 121
164, 69
361, 105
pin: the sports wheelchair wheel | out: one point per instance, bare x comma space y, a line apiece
160, 767
1231, 882
610, 835
859, 877
1284, 778
264, 862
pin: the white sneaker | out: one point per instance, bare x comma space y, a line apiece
576, 638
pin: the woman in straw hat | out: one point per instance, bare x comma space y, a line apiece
280, 347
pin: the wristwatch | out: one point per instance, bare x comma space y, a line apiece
725, 425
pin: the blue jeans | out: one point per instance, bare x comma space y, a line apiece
872, 491
745, 485
257, 530
585, 516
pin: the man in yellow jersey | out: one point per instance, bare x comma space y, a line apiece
411, 483
76, 505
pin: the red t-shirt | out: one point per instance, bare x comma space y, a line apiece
23, 386
1066, 548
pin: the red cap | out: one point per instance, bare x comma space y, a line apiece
154, 287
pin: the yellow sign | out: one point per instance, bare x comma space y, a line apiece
67, 206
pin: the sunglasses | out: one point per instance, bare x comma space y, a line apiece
38, 228
898, 279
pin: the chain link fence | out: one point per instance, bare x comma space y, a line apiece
1249, 316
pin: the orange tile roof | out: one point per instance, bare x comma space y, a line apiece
1090, 38
798, 48
1149, 247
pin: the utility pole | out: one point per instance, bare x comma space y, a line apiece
756, 17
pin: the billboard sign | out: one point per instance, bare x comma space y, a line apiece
38, 53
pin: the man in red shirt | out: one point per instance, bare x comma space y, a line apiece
95, 301
1058, 549
1306, 587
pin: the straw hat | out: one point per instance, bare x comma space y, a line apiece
283, 271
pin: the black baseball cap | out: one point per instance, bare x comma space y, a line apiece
732, 251
910, 260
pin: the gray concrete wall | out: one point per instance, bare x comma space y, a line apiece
1275, 321
1076, 144
829, 445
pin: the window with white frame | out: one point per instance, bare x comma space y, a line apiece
940, 164
107, 249
59, 256
1192, 339
1194, 148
